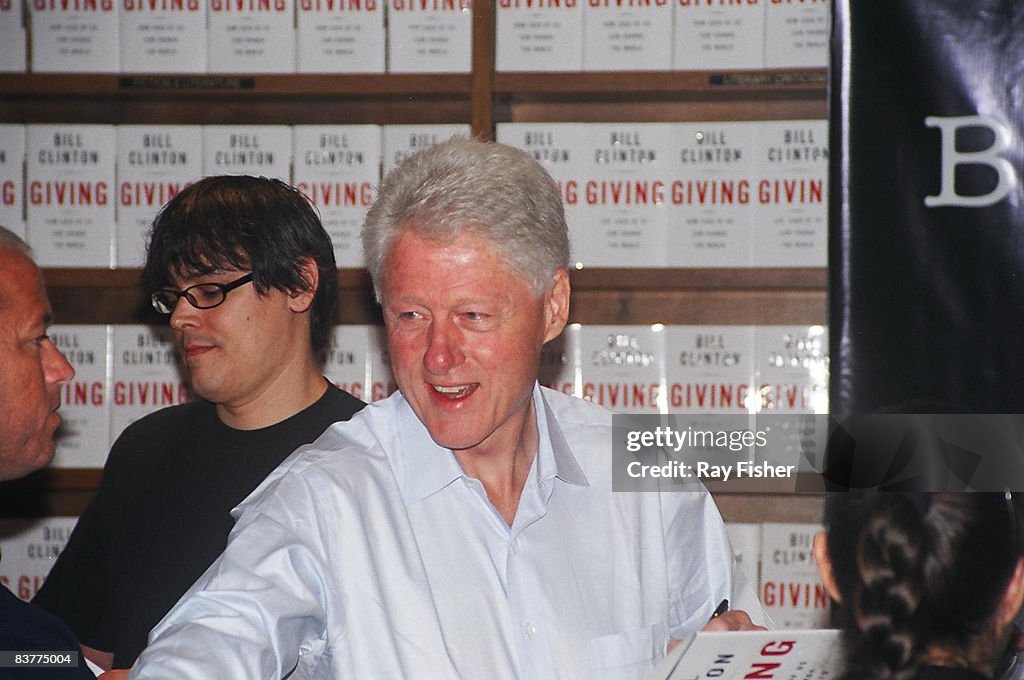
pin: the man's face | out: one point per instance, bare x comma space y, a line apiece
242, 352
32, 369
465, 334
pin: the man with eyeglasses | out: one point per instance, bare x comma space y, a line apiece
247, 274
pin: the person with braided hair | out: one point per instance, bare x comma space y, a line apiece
929, 583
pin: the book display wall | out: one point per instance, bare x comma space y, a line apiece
690, 154
707, 194
643, 195
408, 36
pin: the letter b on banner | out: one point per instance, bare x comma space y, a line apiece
951, 158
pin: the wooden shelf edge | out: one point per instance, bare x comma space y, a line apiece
787, 82
296, 85
588, 278
81, 277
814, 279
55, 478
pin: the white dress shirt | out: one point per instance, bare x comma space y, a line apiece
370, 554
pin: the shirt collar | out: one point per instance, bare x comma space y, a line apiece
555, 457
430, 468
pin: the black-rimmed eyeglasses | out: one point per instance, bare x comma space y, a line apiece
200, 296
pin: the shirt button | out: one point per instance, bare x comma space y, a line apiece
515, 545
529, 630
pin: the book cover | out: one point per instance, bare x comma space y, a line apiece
401, 141
709, 369
791, 590
75, 36
70, 194
29, 547
561, 148
430, 36
791, 224
251, 36
624, 200
718, 36
146, 374
797, 34
623, 367
12, 178
539, 36
338, 168
357, 362
163, 36
83, 439
340, 36
154, 163
792, 374
764, 654
791, 369
713, 206
627, 36
261, 150
708, 374
13, 38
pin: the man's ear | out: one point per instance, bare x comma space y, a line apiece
556, 303
828, 577
300, 300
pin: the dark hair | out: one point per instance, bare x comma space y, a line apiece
918, 570
243, 222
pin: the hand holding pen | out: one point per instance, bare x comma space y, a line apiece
722, 608
725, 619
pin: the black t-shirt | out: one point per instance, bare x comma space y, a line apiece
25, 627
161, 516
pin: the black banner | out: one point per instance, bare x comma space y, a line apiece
926, 224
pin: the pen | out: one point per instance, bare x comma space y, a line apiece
722, 608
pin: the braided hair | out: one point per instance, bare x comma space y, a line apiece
920, 571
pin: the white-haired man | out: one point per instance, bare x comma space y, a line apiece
466, 526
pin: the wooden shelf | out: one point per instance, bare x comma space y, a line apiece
100, 296
63, 478
600, 296
71, 277
699, 307
272, 99
298, 86
663, 85
757, 508
49, 493
700, 279
590, 278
